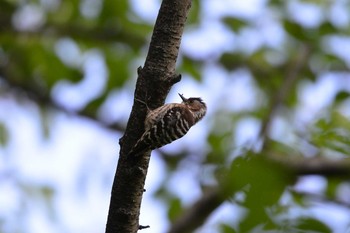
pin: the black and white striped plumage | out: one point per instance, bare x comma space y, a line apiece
168, 123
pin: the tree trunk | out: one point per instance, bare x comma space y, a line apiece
153, 85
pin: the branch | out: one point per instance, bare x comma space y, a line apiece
315, 166
198, 213
153, 85
79, 31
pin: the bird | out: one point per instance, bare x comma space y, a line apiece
168, 123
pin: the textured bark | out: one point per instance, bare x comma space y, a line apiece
153, 85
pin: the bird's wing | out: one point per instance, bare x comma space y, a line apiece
173, 125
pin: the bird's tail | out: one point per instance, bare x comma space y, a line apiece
140, 147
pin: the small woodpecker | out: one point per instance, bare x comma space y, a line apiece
168, 123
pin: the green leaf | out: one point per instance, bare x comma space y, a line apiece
175, 209
234, 23
231, 61
341, 96
332, 187
116, 10
326, 61
263, 182
341, 121
332, 133
298, 32
4, 135
224, 228
313, 225
117, 60
191, 67
327, 28
281, 148
92, 108
194, 14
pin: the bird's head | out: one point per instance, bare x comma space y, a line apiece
195, 105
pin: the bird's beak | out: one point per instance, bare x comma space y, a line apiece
182, 97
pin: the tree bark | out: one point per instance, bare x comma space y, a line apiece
153, 85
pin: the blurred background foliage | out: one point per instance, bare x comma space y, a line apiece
275, 75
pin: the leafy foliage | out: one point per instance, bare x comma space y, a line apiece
38, 54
